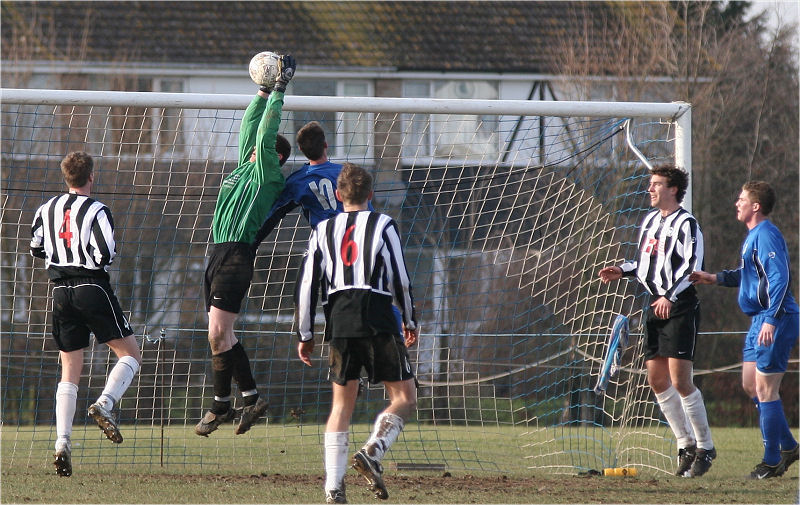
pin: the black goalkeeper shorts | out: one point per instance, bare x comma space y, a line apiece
384, 356
228, 276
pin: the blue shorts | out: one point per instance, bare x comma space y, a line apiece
773, 358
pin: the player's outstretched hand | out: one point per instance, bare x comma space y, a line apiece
700, 277
410, 336
609, 274
304, 350
288, 66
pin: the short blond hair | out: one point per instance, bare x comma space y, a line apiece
354, 184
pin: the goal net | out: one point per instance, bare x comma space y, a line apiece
507, 210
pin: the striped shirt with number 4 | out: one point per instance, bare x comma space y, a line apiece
75, 235
355, 262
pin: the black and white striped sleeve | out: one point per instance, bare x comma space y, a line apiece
37, 235
307, 286
102, 246
399, 281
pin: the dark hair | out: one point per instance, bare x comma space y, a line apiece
311, 140
283, 147
354, 184
76, 167
676, 178
762, 193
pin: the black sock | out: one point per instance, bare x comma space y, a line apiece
222, 365
242, 373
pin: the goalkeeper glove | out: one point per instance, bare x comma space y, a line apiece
265, 89
288, 64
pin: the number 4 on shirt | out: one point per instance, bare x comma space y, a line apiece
66, 230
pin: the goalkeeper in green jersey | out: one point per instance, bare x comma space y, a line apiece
244, 199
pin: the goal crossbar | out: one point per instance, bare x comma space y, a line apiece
671, 111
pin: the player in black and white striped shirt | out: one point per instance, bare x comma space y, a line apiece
355, 260
671, 248
75, 235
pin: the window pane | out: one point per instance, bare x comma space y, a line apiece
295, 120
356, 126
461, 135
170, 137
416, 126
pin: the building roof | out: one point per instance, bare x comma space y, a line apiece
453, 36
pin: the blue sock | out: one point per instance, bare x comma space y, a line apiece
786, 439
772, 421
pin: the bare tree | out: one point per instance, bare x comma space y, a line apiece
742, 83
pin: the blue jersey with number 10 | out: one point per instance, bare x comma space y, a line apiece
312, 187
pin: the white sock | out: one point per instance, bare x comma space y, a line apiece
66, 398
696, 412
672, 407
118, 381
387, 428
335, 459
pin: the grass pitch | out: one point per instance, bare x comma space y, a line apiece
32, 479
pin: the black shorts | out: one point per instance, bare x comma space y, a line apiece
384, 356
674, 337
85, 305
228, 276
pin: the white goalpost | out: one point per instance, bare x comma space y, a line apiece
506, 209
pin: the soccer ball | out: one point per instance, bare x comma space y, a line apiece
264, 68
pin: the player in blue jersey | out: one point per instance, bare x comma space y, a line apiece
312, 187
765, 295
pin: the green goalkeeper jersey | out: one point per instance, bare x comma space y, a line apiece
247, 193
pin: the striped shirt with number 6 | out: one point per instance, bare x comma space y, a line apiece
353, 251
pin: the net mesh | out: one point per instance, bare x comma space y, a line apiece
505, 221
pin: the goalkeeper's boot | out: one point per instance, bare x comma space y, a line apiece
372, 471
702, 462
685, 459
211, 421
336, 495
63, 460
765, 471
250, 415
789, 457
106, 422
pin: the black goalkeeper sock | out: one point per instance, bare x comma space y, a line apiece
222, 365
242, 373
219, 408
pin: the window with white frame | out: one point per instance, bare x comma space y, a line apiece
349, 134
168, 132
451, 135
124, 131
355, 136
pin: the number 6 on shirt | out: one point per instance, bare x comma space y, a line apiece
349, 247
